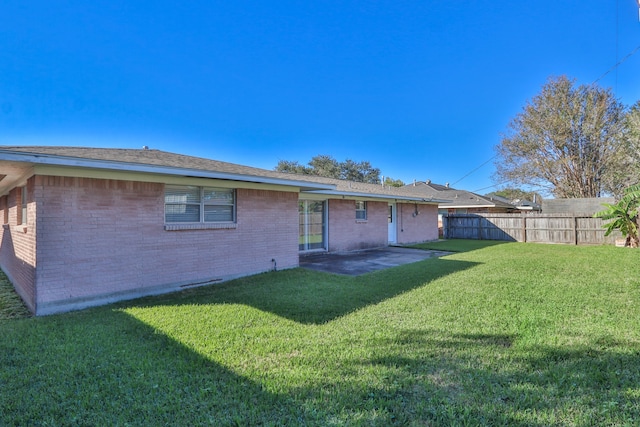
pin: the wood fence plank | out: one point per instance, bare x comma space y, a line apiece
541, 228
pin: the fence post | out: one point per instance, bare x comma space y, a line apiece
524, 227
575, 230
445, 226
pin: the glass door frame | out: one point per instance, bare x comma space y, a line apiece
304, 235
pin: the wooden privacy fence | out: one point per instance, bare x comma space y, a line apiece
539, 228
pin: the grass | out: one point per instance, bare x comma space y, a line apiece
458, 245
11, 306
507, 334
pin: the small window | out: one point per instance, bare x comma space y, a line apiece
199, 204
23, 205
5, 209
361, 210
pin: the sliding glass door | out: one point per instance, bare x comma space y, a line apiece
312, 225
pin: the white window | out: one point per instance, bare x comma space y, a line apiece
5, 209
23, 205
361, 210
199, 204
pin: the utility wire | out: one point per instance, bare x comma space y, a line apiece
473, 171
617, 65
491, 186
634, 51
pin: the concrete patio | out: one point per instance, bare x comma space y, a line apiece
365, 261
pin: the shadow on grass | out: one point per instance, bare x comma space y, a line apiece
106, 367
312, 297
456, 380
11, 306
458, 245
103, 367
112, 369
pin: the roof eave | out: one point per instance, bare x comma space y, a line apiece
376, 196
450, 206
47, 159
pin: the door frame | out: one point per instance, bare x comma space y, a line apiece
392, 221
304, 225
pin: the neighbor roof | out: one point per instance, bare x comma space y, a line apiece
455, 198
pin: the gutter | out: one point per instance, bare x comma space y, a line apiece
48, 159
445, 205
378, 196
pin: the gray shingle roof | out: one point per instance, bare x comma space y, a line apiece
146, 157
456, 198
135, 158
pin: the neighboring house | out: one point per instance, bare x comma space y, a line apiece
521, 204
581, 206
459, 201
88, 226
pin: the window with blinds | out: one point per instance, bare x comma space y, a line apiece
361, 210
185, 204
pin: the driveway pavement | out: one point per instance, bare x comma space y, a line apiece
365, 261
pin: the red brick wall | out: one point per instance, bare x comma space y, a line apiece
348, 234
105, 240
416, 228
18, 243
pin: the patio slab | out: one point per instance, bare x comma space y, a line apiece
365, 261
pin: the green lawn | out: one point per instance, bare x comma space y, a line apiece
11, 306
502, 334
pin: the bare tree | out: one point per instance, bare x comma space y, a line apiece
627, 157
564, 141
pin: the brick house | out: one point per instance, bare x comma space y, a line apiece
86, 226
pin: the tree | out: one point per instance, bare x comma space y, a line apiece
323, 165
628, 156
564, 141
359, 172
327, 166
624, 216
292, 167
390, 182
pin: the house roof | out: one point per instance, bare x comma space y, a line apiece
16, 161
361, 189
521, 204
455, 198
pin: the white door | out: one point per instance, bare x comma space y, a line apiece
393, 229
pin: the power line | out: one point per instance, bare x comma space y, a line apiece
491, 186
473, 171
617, 65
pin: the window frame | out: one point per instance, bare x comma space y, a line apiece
5, 209
202, 204
361, 210
23, 206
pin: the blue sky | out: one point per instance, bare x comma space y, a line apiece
421, 89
